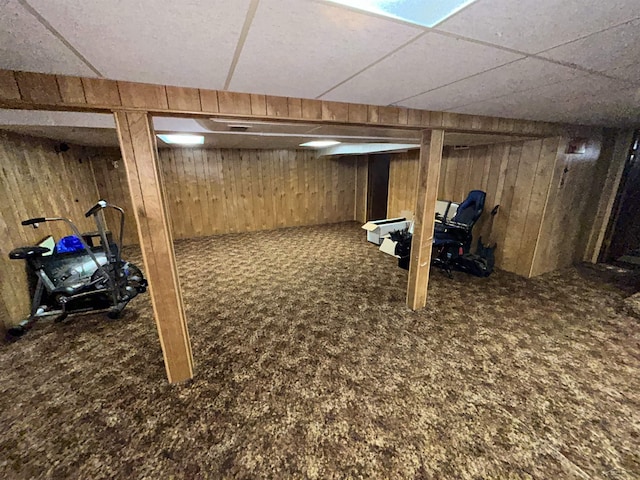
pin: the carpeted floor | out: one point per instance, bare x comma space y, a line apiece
309, 365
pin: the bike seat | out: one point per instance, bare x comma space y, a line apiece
22, 253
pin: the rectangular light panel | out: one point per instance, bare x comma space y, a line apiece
427, 13
320, 143
182, 139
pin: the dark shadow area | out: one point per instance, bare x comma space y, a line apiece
619, 276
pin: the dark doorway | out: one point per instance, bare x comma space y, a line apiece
378, 186
623, 235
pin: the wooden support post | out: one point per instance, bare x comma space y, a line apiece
140, 158
421, 243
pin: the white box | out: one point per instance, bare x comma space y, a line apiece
376, 229
441, 209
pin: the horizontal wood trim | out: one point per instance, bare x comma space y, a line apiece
209, 101
9, 86
42, 91
183, 98
100, 93
143, 95
38, 88
71, 90
277, 106
357, 113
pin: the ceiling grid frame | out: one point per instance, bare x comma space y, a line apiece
439, 29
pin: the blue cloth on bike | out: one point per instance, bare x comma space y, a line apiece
69, 244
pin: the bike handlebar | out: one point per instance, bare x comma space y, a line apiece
98, 206
33, 221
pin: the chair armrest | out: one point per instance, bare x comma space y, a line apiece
445, 226
460, 226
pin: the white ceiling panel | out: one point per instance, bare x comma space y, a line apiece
615, 52
25, 44
535, 25
619, 108
430, 62
587, 99
517, 76
302, 48
188, 43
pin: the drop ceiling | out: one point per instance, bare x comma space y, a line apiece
98, 130
551, 60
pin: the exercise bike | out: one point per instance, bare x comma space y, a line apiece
74, 276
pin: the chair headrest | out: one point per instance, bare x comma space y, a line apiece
470, 210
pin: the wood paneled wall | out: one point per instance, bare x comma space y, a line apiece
111, 179
565, 224
213, 191
516, 228
516, 176
362, 176
36, 181
221, 191
403, 183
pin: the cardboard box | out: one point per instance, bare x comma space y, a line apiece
389, 247
377, 229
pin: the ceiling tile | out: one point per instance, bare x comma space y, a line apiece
533, 26
619, 108
189, 43
430, 62
302, 49
25, 44
514, 77
588, 99
614, 51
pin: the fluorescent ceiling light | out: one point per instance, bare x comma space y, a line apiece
419, 12
320, 143
182, 139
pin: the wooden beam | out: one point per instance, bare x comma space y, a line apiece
9, 86
140, 158
183, 98
26, 90
421, 243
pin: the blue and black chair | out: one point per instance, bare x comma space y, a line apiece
452, 238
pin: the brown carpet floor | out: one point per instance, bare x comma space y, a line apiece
309, 365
